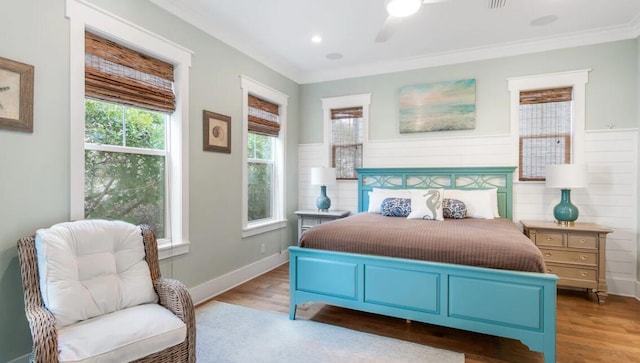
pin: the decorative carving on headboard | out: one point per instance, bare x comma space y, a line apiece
382, 181
431, 181
480, 181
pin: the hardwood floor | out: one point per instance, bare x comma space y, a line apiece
586, 331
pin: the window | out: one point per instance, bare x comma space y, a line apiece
128, 97
545, 130
346, 120
547, 121
128, 141
125, 164
263, 131
264, 119
346, 141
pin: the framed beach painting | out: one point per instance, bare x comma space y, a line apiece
441, 106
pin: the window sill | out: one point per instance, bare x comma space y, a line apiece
257, 228
168, 249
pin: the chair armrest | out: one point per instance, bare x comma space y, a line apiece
175, 296
44, 334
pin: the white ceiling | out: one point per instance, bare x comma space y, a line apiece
278, 32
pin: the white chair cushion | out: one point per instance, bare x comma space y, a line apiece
90, 268
121, 336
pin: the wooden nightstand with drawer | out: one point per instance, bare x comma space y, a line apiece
310, 218
575, 253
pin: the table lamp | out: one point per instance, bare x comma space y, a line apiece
566, 177
323, 177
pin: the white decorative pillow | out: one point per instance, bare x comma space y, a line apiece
480, 203
378, 195
427, 204
90, 268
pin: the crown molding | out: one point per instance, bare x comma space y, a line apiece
294, 73
476, 54
235, 41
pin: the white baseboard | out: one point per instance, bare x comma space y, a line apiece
211, 288
23, 359
622, 287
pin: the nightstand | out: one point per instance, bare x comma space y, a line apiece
310, 218
576, 254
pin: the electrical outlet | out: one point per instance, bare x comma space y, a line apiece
262, 248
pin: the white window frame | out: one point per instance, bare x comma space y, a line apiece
329, 103
278, 218
83, 15
576, 79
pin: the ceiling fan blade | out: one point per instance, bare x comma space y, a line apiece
388, 28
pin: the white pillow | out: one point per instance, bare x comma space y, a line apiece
90, 268
427, 204
481, 203
378, 195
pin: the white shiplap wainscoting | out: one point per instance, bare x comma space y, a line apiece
610, 199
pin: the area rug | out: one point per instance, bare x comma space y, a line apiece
232, 333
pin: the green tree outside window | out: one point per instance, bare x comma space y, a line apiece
126, 181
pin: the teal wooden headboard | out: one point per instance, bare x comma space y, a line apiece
468, 178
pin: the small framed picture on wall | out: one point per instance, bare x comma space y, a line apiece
16, 96
216, 129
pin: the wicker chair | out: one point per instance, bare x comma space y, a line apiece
172, 294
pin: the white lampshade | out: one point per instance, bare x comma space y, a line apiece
566, 176
323, 176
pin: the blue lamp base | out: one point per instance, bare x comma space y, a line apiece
323, 202
565, 213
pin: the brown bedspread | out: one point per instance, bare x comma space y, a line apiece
494, 243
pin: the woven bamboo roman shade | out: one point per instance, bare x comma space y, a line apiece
545, 130
264, 117
118, 74
341, 113
546, 95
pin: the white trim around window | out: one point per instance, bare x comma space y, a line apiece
83, 15
576, 79
360, 100
251, 87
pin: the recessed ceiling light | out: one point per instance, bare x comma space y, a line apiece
544, 20
316, 39
334, 56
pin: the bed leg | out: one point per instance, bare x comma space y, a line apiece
292, 312
550, 357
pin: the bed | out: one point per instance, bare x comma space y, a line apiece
502, 302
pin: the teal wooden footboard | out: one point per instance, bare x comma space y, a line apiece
510, 304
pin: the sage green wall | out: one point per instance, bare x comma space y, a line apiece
611, 91
34, 168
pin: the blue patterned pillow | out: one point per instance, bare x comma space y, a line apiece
453, 208
396, 207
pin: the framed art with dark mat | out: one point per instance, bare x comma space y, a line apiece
16, 96
216, 129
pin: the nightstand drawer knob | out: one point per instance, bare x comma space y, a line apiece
547, 254
583, 257
549, 271
581, 241
583, 274
549, 239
